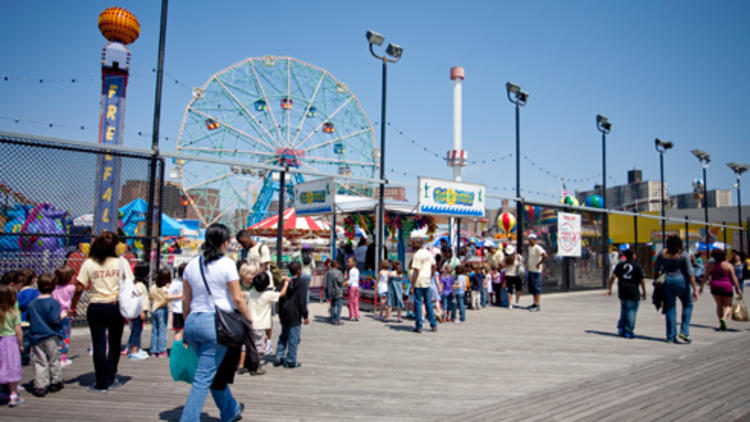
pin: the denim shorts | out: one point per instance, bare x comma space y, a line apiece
535, 283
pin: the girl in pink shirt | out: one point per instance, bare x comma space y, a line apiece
63, 294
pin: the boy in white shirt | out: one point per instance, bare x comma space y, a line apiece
259, 301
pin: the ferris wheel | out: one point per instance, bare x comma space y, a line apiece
270, 110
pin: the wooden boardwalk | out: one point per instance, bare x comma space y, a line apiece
563, 363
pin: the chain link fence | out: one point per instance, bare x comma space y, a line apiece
47, 193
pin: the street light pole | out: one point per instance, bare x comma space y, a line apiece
604, 126
395, 51
704, 158
519, 98
738, 169
662, 147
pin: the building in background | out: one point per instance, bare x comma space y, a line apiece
636, 195
716, 198
391, 193
173, 202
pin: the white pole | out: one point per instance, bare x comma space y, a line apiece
457, 124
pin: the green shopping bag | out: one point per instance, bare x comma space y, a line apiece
183, 362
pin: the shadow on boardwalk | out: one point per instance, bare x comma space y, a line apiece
566, 361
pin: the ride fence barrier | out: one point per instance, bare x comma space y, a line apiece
47, 200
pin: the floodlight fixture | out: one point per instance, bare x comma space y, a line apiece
519, 97
702, 156
394, 50
662, 146
374, 38
603, 124
738, 169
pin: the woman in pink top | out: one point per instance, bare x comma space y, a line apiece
723, 281
63, 294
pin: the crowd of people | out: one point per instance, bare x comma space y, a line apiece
36, 311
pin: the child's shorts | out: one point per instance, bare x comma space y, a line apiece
178, 321
259, 337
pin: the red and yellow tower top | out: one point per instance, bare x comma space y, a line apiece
119, 25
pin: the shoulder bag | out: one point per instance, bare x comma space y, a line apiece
230, 330
128, 298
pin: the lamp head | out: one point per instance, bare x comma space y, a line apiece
374, 38
662, 146
738, 169
603, 123
512, 88
394, 51
701, 155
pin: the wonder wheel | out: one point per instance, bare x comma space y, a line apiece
270, 110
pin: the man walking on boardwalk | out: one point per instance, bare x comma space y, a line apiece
423, 266
537, 255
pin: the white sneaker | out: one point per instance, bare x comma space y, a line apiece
66, 363
268, 351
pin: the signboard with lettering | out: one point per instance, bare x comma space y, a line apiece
315, 197
111, 123
449, 198
568, 235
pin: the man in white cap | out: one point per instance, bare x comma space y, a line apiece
537, 255
423, 267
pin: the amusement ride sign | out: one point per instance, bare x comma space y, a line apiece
314, 197
568, 235
449, 198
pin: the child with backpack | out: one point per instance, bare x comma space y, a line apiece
45, 317
11, 342
63, 294
629, 275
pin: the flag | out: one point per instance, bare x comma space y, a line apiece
563, 189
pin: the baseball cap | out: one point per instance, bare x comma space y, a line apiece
532, 236
510, 250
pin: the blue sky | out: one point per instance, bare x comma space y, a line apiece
670, 69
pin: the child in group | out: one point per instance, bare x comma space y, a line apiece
11, 342
334, 289
259, 303
395, 291
382, 291
26, 293
476, 278
459, 291
353, 286
629, 275
63, 293
45, 316
292, 311
514, 271
140, 274
486, 288
159, 313
174, 294
436, 289
495, 281
447, 281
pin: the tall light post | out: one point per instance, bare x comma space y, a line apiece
704, 158
738, 169
519, 98
662, 147
604, 126
395, 52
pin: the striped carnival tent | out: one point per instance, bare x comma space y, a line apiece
293, 226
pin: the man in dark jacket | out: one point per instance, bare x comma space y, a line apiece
335, 291
292, 310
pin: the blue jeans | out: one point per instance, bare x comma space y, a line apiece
628, 309
136, 327
448, 304
461, 305
286, 349
675, 287
484, 297
422, 295
200, 333
307, 279
159, 330
336, 309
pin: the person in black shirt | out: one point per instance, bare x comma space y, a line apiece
292, 310
629, 275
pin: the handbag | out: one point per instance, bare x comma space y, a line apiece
183, 361
739, 311
658, 281
128, 298
230, 330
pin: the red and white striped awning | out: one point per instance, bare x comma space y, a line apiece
293, 226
